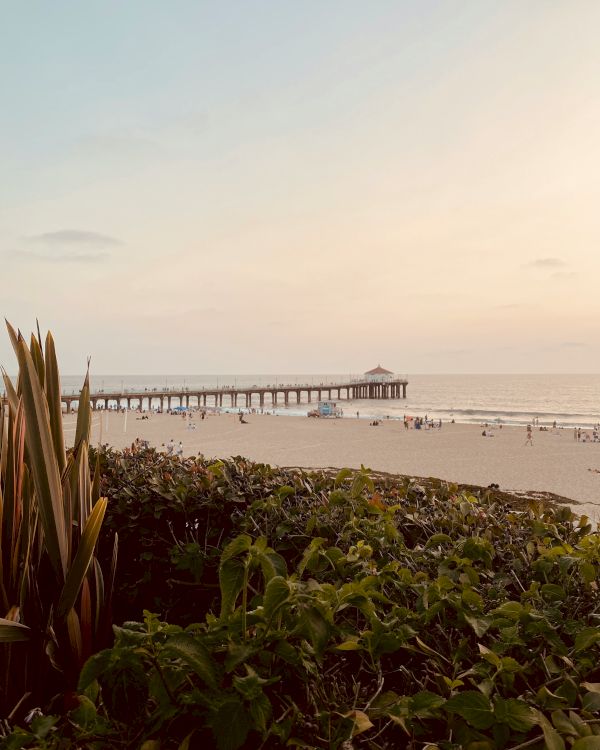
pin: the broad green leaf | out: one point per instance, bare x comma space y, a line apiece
508, 664
85, 715
361, 722
436, 539
251, 686
583, 728
425, 703
238, 653
351, 644
10, 631
83, 558
553, 593
586, 638
231, 581
563, 724
476, 548
272, 565
241, 543
230, 725
587, 743
187, 648
362, 481
313, 626
588, 572
552, 738
260, 712
517, 714
489, 655
93, 668
41, 725
510, 610
474, 707
341, 476
479, 624
276, 593
285, 491
591, 702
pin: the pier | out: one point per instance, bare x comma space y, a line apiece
247, 397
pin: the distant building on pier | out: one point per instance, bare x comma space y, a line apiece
379, 375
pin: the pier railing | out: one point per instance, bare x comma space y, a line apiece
175, 389
247, 396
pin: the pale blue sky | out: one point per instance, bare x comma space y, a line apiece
303, 186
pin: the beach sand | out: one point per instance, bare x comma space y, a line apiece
556, 463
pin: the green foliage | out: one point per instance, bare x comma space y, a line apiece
323, 611
53, 596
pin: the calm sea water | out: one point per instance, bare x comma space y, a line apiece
512, 399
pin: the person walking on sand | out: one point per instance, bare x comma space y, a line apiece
529, 439
180, 449
170, 447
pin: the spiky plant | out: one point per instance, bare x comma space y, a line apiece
53, 594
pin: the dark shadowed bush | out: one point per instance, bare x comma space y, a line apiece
337, 612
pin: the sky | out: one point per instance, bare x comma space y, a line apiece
282, 186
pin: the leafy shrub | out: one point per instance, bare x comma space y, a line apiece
341, 612
53, 594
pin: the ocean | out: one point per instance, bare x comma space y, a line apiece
510, 399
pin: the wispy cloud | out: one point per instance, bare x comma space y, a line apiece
73, 237
68, 246
546, 263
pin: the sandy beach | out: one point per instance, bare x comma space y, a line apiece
456, 452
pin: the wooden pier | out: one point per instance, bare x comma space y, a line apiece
247, 397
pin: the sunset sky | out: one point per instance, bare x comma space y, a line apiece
303, 186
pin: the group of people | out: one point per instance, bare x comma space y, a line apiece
138, 445
584, 436
422, 423
171, 450
579, 435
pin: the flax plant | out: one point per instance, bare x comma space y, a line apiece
54, 597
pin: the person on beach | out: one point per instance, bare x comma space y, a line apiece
529, 439
180, 449
170, 447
